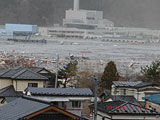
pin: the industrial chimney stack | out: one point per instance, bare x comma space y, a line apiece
76, 5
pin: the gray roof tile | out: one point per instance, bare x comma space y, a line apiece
125, 83
28, 75
138, 84
21, 73
61, 91
20, 108
121, 107
129, 99
9, 92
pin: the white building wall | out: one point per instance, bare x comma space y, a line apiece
81, 15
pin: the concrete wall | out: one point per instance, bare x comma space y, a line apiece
21, 85
85, 109
70, 14
5, 82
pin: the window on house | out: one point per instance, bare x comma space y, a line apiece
123, 92
32, 84
103, 118
76, 104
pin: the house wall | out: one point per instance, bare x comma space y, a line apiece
85, 109
120, 91
21, 85
138, 94
5, 82
153, 105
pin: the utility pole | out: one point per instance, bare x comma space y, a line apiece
57, 60
95, 98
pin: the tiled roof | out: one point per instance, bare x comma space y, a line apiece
10, 99
153, 98
125, 83
10, 72
27, 74
9, 92
121, 107
20, 108
60, 91
102, 106
138, 84
129, 108
21, 73
130, 99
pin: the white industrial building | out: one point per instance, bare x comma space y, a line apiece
85, 19
81, 23
90, 24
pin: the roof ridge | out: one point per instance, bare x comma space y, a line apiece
56, 88
18, 73
36, 73
27, 69
34, 99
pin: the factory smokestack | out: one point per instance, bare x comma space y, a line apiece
76, 5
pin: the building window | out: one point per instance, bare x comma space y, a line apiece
123, 92
32, 84
103, 118
76, 104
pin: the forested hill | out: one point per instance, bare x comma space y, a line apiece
135, 13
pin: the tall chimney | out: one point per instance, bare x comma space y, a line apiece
76, 5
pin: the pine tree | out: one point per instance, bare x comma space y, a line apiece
151, 73
110, 74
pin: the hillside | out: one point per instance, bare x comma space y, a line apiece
136, 13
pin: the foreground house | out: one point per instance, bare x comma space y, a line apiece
137, 89
21, 78
120, 110
74, 100
26, 108
153, 101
